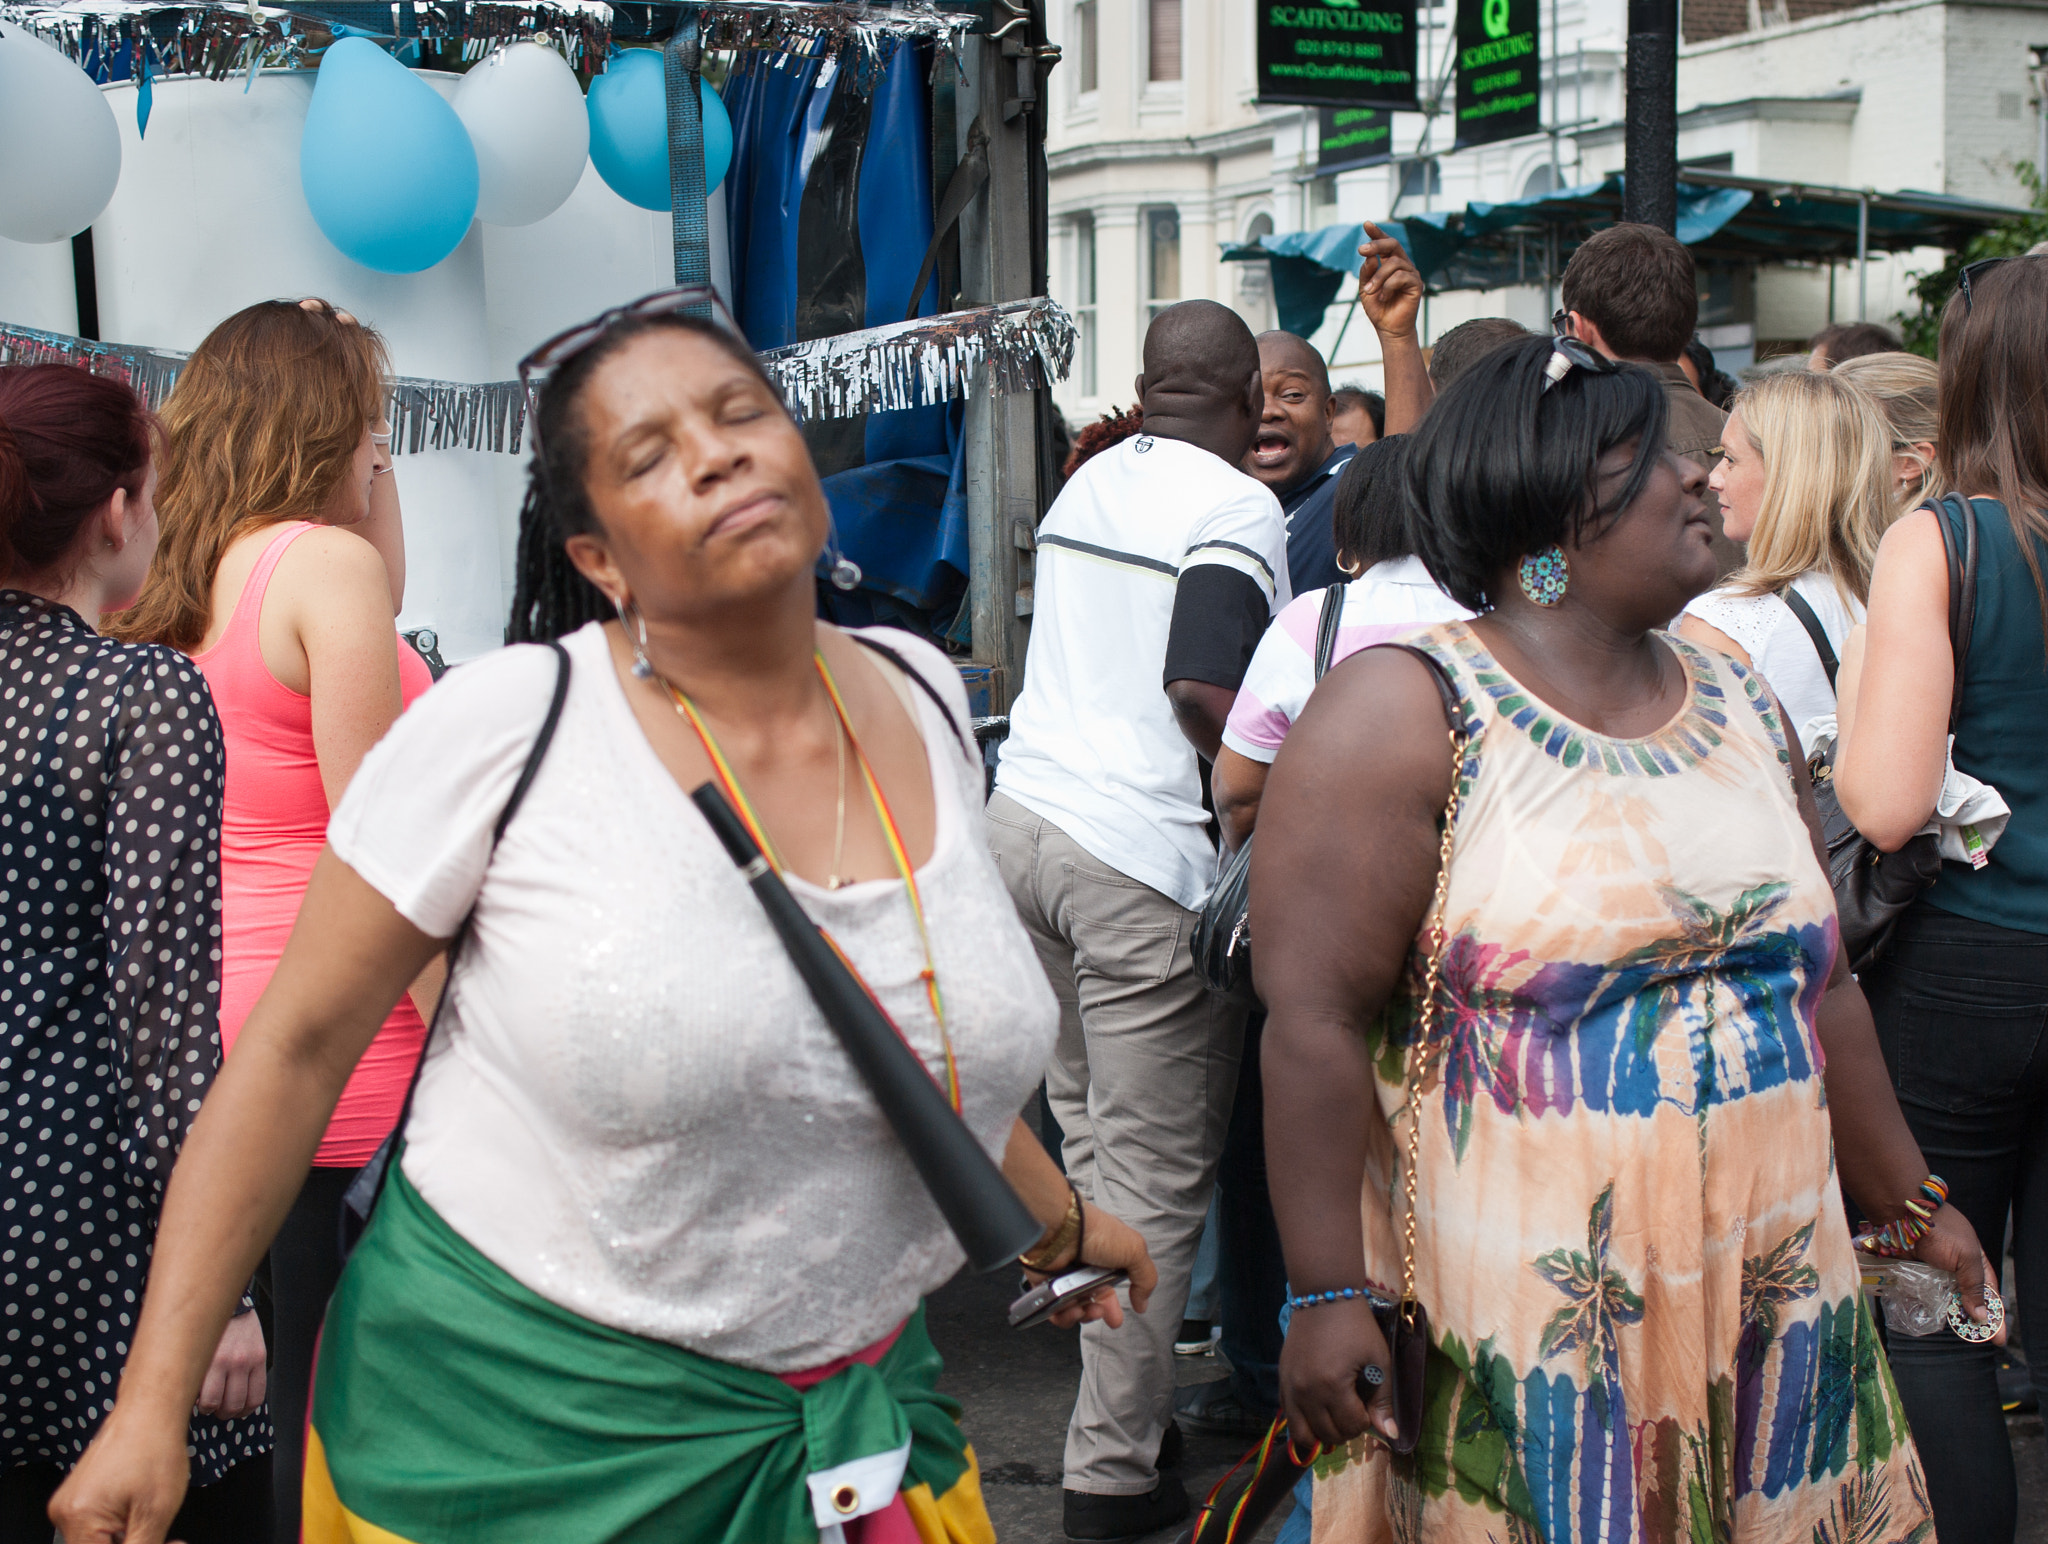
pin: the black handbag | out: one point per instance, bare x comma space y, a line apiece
1223, 930
360, 1199
1873, 888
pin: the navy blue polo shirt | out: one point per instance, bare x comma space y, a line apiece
1310, 506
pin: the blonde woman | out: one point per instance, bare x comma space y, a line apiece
281, 568
1805, 482
1906, 389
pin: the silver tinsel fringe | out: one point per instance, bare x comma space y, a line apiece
1022, 344
216, 41
852, 34
425, 415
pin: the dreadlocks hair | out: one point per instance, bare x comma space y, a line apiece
550, 596
1110, 429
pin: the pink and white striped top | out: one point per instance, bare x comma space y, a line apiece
1387, 601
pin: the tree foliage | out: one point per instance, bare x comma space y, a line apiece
1921, 328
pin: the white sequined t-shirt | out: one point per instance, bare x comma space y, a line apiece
632, 1105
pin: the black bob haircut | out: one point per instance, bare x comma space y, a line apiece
1501, 468
550, 597
1369, 515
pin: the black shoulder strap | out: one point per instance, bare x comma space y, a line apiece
917, 677
1326, 628
1454, 710
1962, 589
368, 1184
541, 741
1809, 620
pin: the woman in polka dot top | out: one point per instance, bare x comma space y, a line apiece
110, 790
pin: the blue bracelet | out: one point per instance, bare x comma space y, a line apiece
1316, 1299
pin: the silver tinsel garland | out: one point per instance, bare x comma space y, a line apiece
1019, 345
1022, 343
425, 415
216, 41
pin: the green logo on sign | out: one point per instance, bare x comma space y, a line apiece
1493, 15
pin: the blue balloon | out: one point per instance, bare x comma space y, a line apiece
629, 129
387, 167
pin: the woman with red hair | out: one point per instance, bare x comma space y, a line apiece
110, 800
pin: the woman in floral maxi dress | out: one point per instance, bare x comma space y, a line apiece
1646, 1322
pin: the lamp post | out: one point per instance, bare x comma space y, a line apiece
1650, 196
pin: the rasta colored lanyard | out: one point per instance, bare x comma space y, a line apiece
722, 769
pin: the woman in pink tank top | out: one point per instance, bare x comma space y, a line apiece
281, 567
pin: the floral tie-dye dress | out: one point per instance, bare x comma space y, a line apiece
1645, 1311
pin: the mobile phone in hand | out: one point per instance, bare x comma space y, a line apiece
1055, 1292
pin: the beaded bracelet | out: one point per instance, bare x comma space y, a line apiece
1902, 1235
1317, 1299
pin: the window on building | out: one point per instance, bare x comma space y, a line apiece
1322, 197
1255, 280
1084, 44
1542, 179
1418, 175
1162, 259
1084, 299
1162, 36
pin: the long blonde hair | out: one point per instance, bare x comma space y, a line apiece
1907, 390
1827, 495
261, 428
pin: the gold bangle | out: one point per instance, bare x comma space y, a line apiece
1062, 1236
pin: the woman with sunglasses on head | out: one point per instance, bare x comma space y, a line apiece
1961, 992
1806, 489
652, 1261
1556, 1003
281, 569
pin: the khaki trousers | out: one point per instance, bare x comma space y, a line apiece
1141, 1084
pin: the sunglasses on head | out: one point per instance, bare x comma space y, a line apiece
693, 299
1977, 269
1568, 354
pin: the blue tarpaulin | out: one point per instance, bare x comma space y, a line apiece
1723, 218
829, 206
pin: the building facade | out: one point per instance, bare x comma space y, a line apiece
1160, 155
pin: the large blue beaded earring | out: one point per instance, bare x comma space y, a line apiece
1544, 576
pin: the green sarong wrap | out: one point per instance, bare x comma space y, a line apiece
452, 1405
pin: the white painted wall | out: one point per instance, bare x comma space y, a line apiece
209, 217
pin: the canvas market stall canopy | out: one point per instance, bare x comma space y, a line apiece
1723, 218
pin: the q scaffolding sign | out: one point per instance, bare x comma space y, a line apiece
1499, 71
1341, 53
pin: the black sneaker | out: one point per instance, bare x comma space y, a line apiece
1098, 1518
1214, 1407
1195, 1338
2015, 1386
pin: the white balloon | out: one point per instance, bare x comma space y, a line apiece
60, 149
525, 115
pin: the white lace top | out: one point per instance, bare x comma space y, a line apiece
1780, 647
639, 1112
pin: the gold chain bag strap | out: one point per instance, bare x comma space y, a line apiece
1406, 1324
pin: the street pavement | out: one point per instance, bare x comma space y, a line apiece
1017, 1387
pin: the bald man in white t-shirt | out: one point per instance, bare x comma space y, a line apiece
1159, 568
